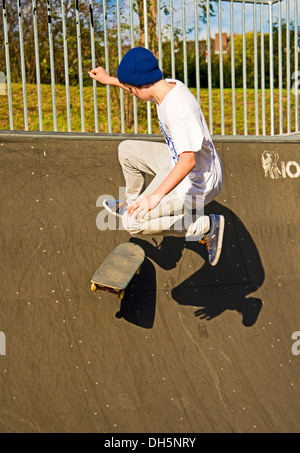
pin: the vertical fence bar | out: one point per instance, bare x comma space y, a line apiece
119, 59
51, 54
7, 62
244, 70
296, 93
271, 67
158, 18
288, 66
135, 117
66, 63
209, 73
92, 31
185, 69
197, 55
255, 68
221, 68
232, 69
172, 39
262, 58
106, 54
78, 34
280, 68
147, 46
37, 63
145, 8
23, 71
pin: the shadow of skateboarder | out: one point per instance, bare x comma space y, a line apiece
213, 290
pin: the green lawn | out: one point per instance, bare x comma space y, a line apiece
33, 119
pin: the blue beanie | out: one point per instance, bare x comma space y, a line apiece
139, 67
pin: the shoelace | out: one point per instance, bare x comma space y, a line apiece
119, 205
205, 241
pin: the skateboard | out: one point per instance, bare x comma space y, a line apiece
118, 268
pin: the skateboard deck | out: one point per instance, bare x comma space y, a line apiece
118, 268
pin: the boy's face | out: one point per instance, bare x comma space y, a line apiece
142, 93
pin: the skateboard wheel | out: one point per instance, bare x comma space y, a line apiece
121, 294
94, 287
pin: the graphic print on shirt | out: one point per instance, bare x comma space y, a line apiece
169, 143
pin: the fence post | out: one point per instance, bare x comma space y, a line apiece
2, 84
7, 61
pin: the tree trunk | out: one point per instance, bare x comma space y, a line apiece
151, 17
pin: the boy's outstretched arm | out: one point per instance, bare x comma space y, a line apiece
144, 204
102, 76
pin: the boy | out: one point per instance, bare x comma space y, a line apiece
187, 169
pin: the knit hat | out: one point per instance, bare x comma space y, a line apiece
139, 67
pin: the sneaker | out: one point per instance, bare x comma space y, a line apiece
115, 207
214, 238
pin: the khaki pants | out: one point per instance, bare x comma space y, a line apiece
171, 217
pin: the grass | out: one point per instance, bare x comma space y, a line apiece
60, 94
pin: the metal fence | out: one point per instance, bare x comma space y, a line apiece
240, 59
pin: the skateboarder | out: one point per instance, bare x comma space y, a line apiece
187, 169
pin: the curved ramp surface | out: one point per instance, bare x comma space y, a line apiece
191, 348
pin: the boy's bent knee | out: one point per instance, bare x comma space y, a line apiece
125, 149
132, 225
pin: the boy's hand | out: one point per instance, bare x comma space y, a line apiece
101, 75
143, 205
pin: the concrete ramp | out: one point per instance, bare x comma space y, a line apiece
192, 348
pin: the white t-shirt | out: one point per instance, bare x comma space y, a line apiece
184, 127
